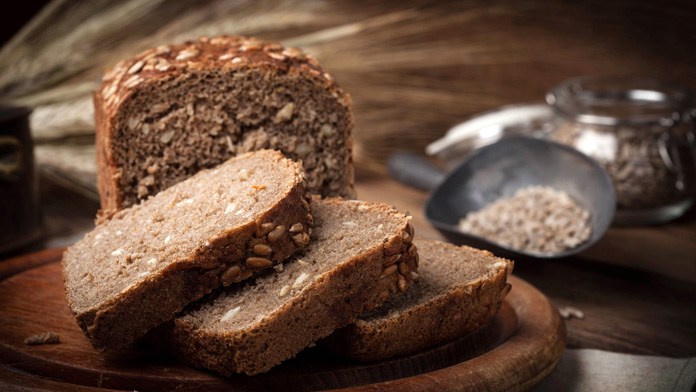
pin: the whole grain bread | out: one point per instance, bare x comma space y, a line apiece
144, 264
172, 110
458, 290
360, 253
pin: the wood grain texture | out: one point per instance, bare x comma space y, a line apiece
626, 310
513, 352
636, 286
414, 68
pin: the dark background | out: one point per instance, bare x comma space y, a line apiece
16, 16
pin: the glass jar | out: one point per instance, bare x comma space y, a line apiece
642, 132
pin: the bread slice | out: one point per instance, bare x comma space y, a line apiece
458, 290
144, 264
360, 253
170, 111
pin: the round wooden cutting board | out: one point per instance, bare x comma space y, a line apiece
513, 352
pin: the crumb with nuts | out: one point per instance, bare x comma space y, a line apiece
44, 338
537, 219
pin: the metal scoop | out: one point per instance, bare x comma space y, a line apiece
498, 171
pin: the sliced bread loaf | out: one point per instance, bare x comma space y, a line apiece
170, 111
458, 290
360, 253
144, 264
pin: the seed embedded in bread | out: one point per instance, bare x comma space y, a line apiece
209, 264
300, 279
285, 290
230, 274
264, 229
412, 250
388, 271
392, 259
285, 113
258, 262
276, 234
179, 245
230, 314
262, 250
402, 283
187, 54
301, 239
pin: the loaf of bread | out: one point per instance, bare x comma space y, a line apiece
170, 111
144, 264
458, 290
360, 253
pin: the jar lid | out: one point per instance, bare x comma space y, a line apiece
621, 101
487, 128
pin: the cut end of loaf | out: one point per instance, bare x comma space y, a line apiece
192, 106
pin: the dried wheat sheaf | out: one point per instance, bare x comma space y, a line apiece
413, 68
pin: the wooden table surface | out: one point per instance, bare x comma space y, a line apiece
636, 287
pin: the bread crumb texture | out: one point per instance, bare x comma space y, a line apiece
192, 106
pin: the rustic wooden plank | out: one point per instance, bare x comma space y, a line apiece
524, 342
626, 310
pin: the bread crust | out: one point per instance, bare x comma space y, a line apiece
328, 303
122, 318
462, 309
230, 53
107, 181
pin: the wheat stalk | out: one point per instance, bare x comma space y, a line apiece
413, 68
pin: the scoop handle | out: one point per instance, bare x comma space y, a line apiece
414, 170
